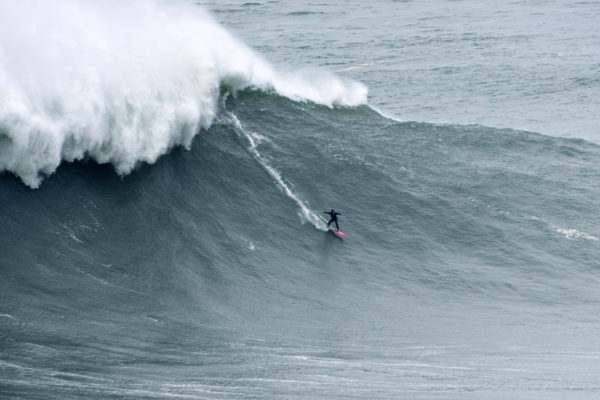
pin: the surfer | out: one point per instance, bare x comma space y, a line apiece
333, 215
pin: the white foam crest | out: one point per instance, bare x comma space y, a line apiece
575, 234
325, 88
569, 233
253, 139
123, 82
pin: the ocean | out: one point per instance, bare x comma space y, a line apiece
165, 166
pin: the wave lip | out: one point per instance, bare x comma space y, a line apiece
122, 83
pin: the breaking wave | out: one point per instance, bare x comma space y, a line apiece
122, 83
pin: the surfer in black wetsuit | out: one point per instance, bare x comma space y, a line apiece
333, 215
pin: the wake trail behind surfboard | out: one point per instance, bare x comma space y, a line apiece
253, 139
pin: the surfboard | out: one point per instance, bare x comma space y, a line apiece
339, 233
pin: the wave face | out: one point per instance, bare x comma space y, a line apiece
206, 275
202, 267
123, 82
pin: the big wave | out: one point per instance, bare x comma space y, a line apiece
123, 82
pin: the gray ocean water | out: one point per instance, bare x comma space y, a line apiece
166, 165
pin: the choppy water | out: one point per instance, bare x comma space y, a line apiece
166, 166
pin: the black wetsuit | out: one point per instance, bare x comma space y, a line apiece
333, 215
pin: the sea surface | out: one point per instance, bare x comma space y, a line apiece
165, 165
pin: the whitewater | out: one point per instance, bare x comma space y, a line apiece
164, 167
123, 83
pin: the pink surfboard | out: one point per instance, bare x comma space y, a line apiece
339, 233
